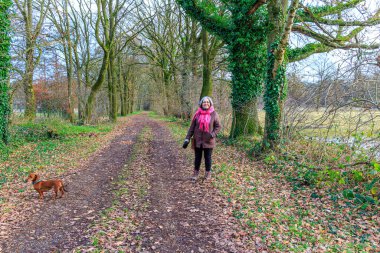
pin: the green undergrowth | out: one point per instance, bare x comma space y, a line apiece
115, 230
288, 203
46, 145
332, 169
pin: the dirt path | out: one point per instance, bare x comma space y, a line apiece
181, 216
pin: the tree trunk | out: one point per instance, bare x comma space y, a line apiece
69, 69
31, 35
80, 93
168, 106
96, 87
30, 99
123, 88
131, 97
5, 107
69, 64
184, 90
123, 99
276, 86
245, 120
207, 66
112, 88
247, 63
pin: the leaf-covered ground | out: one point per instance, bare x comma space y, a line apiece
134, 195
279, 217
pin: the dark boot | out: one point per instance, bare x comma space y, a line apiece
195, 175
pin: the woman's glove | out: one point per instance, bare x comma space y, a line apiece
185, 143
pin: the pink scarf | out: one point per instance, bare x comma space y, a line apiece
204, 117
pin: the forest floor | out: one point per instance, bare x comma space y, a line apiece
135, 195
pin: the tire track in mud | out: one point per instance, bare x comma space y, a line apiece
182, 216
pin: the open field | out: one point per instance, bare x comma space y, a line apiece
323, 123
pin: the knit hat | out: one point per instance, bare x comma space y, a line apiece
205, 97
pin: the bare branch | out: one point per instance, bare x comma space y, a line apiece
256, 6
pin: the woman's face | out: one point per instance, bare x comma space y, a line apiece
206, 104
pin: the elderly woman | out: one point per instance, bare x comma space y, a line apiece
204, 128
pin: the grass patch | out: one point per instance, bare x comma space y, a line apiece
47, 145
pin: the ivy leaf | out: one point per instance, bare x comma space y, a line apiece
370, 185
348, 194
376, 166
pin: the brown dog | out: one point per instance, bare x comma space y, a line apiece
44, 186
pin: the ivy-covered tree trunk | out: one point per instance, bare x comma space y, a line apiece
276, 85
4, 70
245, 120
275, 92
247, 65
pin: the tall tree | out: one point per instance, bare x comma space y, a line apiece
188, 33
210, 47
242, 27
81, 18
61, 19
4, 69
281, 22
246, 26
32, 32
178, 38
127, 82
104, 40
168, 43
329, 30
112, 34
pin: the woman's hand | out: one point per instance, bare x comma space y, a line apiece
185, 143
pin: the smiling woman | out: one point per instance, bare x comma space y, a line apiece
203, 130
4, 68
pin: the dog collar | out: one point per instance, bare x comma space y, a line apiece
33, 183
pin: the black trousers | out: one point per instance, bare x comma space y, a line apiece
198, 158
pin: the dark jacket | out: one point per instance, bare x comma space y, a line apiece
206, 139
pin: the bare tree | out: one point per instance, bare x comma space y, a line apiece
61, 19
112, 36
33, 25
